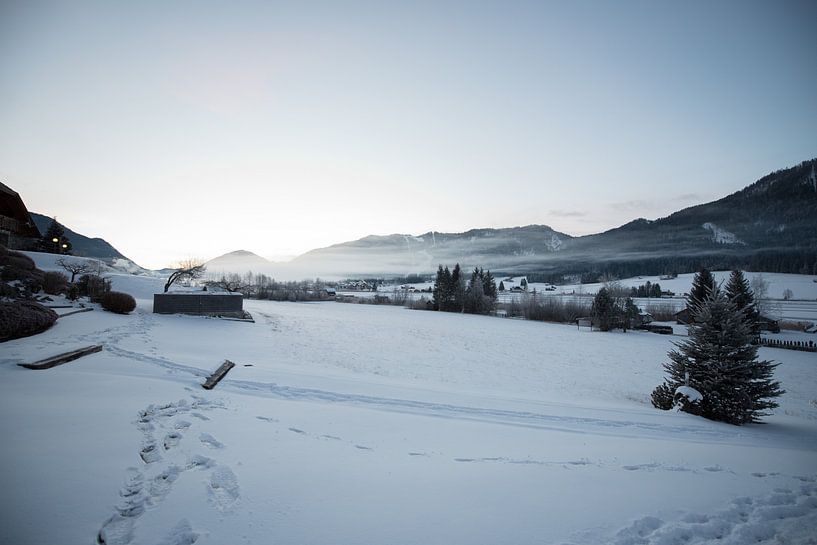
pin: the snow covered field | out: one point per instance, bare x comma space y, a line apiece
362, 424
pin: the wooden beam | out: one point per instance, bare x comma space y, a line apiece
62, 358
89, 309
216, 377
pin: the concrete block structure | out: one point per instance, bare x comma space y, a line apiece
199, 303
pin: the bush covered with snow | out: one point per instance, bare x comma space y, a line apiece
24, 318
117, 301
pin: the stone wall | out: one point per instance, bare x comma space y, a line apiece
199, 303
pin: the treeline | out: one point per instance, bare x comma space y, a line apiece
795, 262
546, 308
648, 289
261, 286
451, 293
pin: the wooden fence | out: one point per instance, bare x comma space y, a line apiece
805, 346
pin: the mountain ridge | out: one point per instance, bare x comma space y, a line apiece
81, 245
776, 214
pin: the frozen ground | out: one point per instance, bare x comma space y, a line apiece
360, 424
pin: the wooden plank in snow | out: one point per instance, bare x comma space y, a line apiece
62, 358
89, 309
216, 377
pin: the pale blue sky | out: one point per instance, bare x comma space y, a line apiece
178, 129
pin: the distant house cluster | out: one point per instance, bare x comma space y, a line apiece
17, 229
355, 285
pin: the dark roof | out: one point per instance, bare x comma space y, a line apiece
15, 215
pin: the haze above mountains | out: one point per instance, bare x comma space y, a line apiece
771, 223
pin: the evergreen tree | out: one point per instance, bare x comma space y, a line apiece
489, 285
656, 290
703, 287
446, 300
739, 292
438, 292
630, 313
457, 289
524, 284
501, 285
54, 240
475, 301
603, 310
720, 362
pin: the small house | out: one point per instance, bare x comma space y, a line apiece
765, 323
683, 317
643, 319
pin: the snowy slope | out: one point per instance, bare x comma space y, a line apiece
362, 424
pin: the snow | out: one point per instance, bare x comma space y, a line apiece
720, 235
802, 307
690, 393
376, 424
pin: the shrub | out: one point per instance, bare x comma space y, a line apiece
8, 291
54, 283
547, 309
116, 301
16, 260
795, 325
662, 312
73, 292
662, 397
93, 286
24, 318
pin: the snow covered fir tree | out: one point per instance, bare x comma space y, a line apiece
739, 292
703, 286
716, 373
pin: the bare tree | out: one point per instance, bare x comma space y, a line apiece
74, 267
760, 287
231, 283
189, 269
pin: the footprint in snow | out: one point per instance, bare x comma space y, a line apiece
296, 430
223, 488
181, 534
210, 441
200, 462
150, 453
361, 447
171, 440
159, 487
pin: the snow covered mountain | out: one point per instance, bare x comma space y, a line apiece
406, 253
771, 224
239, 261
